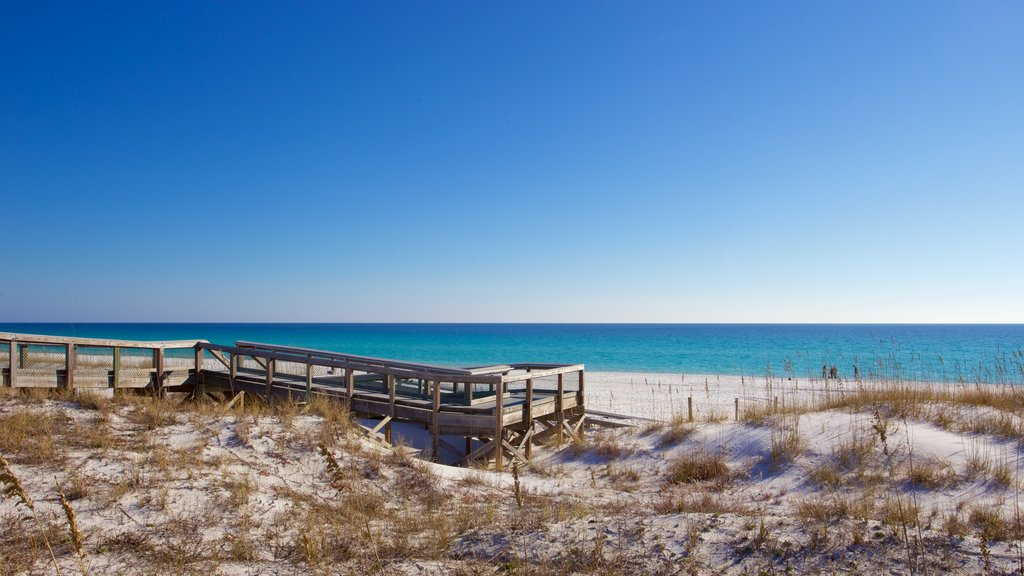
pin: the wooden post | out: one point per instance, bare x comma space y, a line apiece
580, 405
309, 377
499, 425
468, 389
158, 365
117, 366
12, 363
390, 380
689, 408
737, 402
69, 365
559, 413
233, 371
198, 383
529, 417
270, 378
435, 431
350, 387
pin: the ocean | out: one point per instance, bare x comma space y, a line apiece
950, 352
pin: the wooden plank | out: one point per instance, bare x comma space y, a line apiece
12, 364
70, 351
528, 409
384, 422
116, 378
389, 381
233, 371
541, 373
499, 424
580, 402
487, 447
97, 342
220, 358
558, 406
270, 376
350, 387
336, 363
309, 380
158, 363
435, 431
367, 360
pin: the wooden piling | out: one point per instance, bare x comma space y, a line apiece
158, 366
117, 366
270, 377
12, 363
560, 414
435, 431
499, 426
390, 381
528, 407
309, 377
350, 387
689, 408
737, 403
70, 351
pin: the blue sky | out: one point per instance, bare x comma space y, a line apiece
500, 161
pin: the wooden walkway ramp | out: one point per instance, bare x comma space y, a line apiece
504, 408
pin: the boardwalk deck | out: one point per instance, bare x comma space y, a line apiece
505, 407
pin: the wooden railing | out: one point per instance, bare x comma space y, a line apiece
35, 360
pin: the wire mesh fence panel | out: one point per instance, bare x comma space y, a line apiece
93, 366
179, 358
5, 363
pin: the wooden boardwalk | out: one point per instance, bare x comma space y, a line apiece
505, 408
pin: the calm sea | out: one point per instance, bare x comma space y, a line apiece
990, 353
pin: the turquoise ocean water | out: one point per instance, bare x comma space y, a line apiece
989, 353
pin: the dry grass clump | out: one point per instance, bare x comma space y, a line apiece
678, 429
151, 413
698, 466
787, 444
931, 473
610, 446
31, 437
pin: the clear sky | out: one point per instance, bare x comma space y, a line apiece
512, 161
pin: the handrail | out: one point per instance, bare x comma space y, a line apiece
98, 342
319, 360
364, 359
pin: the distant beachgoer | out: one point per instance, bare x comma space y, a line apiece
823, 369
856, 372
833, 372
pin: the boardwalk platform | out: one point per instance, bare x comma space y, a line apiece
505, 408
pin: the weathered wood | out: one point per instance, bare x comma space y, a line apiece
487, 447
435, 431
70, 352
233, 371
528, 416
158, 364
298, 358
580, 402
508, 378
499, 424
350, 387
558, 406
220, 358
270, 376
389, 381
96, 342
12, 364
309, 380
116, 377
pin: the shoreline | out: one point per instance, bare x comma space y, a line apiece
663, 396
